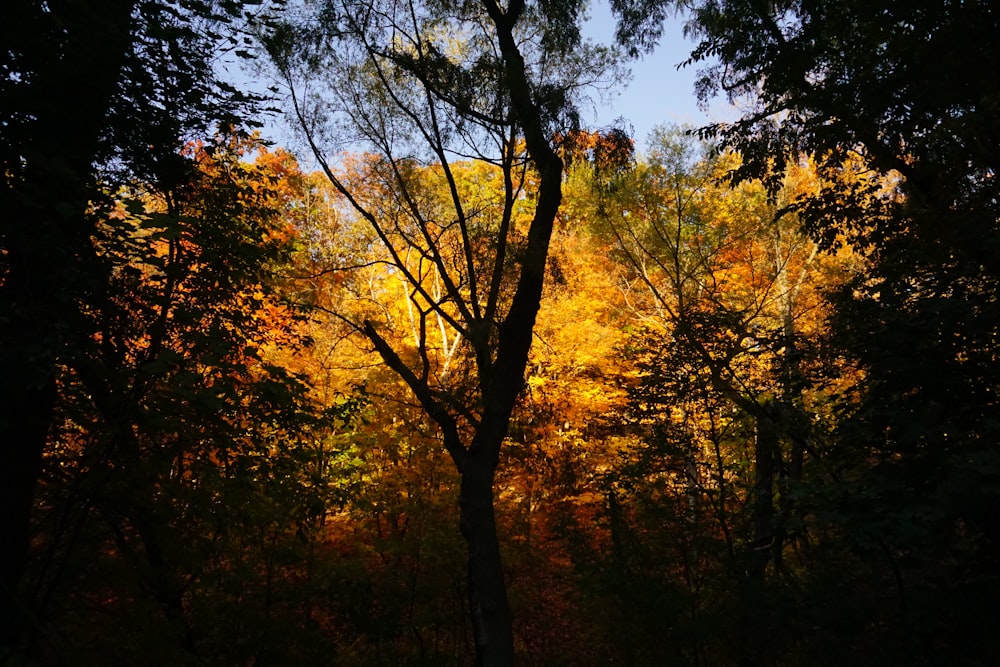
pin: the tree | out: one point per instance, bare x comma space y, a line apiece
426, 86
94, 94
726, 296
178, 468
867, 82
729, 283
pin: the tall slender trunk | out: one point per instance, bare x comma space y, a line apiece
765, 450
27, 396
490, 610
619, 560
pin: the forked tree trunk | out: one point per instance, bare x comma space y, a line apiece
501, 360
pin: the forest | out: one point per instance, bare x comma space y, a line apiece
443, 376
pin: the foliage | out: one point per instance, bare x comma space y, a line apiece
95, 96
864, 89
180, 463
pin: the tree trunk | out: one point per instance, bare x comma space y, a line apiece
46, 259
491, 617
26, 401
765, 448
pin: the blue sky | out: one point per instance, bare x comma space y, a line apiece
658, 93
